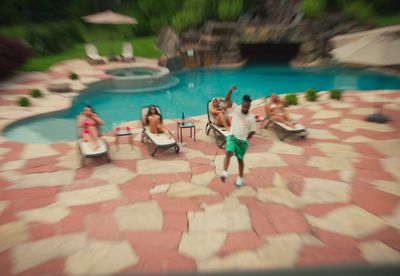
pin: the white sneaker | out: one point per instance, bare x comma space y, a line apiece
239, 182
224, 176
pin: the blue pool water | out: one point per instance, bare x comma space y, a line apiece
191, 95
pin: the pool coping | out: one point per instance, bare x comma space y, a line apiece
92, 75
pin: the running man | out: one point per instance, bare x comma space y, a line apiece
242, 129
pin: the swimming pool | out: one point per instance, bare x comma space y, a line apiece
190, 96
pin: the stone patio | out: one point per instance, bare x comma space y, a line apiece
329, 199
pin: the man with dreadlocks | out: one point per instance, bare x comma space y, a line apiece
242, 129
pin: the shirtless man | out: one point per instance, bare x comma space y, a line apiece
154, 120
219, 114
276, 110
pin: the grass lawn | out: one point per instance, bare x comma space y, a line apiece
388, 20
143, 47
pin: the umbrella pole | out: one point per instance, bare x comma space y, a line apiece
112, 56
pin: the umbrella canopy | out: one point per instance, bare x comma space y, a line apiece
109, 17
376, 50
341, 40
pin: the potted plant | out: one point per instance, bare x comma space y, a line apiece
36, 93
335, 94
23, 101
291, 99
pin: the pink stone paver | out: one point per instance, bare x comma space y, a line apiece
178, 205
42, 231
321, 209
272, 223
37, 202
5, 262
382, 204
73, 223
165, 240
335, 240
175, 221
102, 227
286, 219
261, 223
390, 236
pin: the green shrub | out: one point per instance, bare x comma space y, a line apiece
386, 20
229, 10
36, 93
53, 37
23, 101
311, 95
335, 94
359, 10
313, 8
291, 99
73, 76
182, 21
193, 13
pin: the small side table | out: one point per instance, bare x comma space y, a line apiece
189, 125
112, 58
123, 132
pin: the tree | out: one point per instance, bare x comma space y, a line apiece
229, 10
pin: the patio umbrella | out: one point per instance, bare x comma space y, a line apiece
109, 17
341, 40
375, 50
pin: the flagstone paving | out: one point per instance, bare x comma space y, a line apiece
329, 199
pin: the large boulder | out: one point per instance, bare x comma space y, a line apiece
168, 42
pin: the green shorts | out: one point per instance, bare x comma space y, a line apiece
236, 146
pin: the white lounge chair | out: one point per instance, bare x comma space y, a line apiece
219, 132
156, 141
282, 130
127, 52
92, 55
86, 150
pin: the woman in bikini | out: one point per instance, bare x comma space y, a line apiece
219, 114
89, 121
276, 110
155, 121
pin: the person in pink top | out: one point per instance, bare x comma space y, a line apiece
89, 122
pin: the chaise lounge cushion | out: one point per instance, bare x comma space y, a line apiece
297, 127
161, 139
87, 150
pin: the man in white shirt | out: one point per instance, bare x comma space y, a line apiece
242, 129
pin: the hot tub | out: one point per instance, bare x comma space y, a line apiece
140, 77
